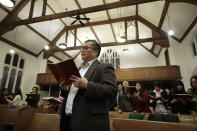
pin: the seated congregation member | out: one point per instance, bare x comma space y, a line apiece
17, 101
5, 97
33, 97
158, 98
85, 104
141, 99
193, 90
180, 104
124, 102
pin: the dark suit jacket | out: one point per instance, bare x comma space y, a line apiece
90, 112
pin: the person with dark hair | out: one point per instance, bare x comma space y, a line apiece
141, 99
17, 101
180, 103
124, 102
193, 90
5, 97
33, 97
85, 105
158, 98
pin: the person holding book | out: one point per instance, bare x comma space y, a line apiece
158, 98
193, 90
33, 97
181, 102
84, 107
5, 97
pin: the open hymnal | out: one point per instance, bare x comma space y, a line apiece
52, 100
64, 70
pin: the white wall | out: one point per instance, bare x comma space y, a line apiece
182, 54
137, 57
33, 65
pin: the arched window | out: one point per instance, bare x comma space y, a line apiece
12, 72
111, 56
11, 80
21, 65
15, 60
8, 59
5, 76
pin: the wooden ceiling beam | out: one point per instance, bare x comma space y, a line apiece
81, 11
61, 20
44, 7
4, 8
189, 29
17, 46
148, 50
31, 9
75, 37
111, 26
163, 15
124, 43
12, 16
193, 2
102, 22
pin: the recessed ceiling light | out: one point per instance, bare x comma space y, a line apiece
11, 51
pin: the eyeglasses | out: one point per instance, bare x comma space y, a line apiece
86, 47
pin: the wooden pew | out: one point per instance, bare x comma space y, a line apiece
19, 118
45, 122
142, 125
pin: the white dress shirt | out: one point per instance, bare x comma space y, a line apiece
73, 90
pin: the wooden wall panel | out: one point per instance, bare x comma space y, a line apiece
149, 73
130, 74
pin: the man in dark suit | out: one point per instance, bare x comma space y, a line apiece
85, 104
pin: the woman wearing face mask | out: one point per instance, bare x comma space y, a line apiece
181, 103
141, 101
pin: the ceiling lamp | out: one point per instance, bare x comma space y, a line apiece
62, 45
121, 39
8, 3
46, 47
170, 32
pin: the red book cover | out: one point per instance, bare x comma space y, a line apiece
64, 70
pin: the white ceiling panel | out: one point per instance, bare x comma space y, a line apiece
111, 1
62, 5
49, 28
131, 34
104, 33
122, 12
3, 14
89, 3
144, 31
85, 33
148, 45
180, 17
97, 16
26, 39
152, 11
61, 56
119, 29
73, 53
54, 60
24, 13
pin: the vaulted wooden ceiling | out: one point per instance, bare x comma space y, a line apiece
32, 24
